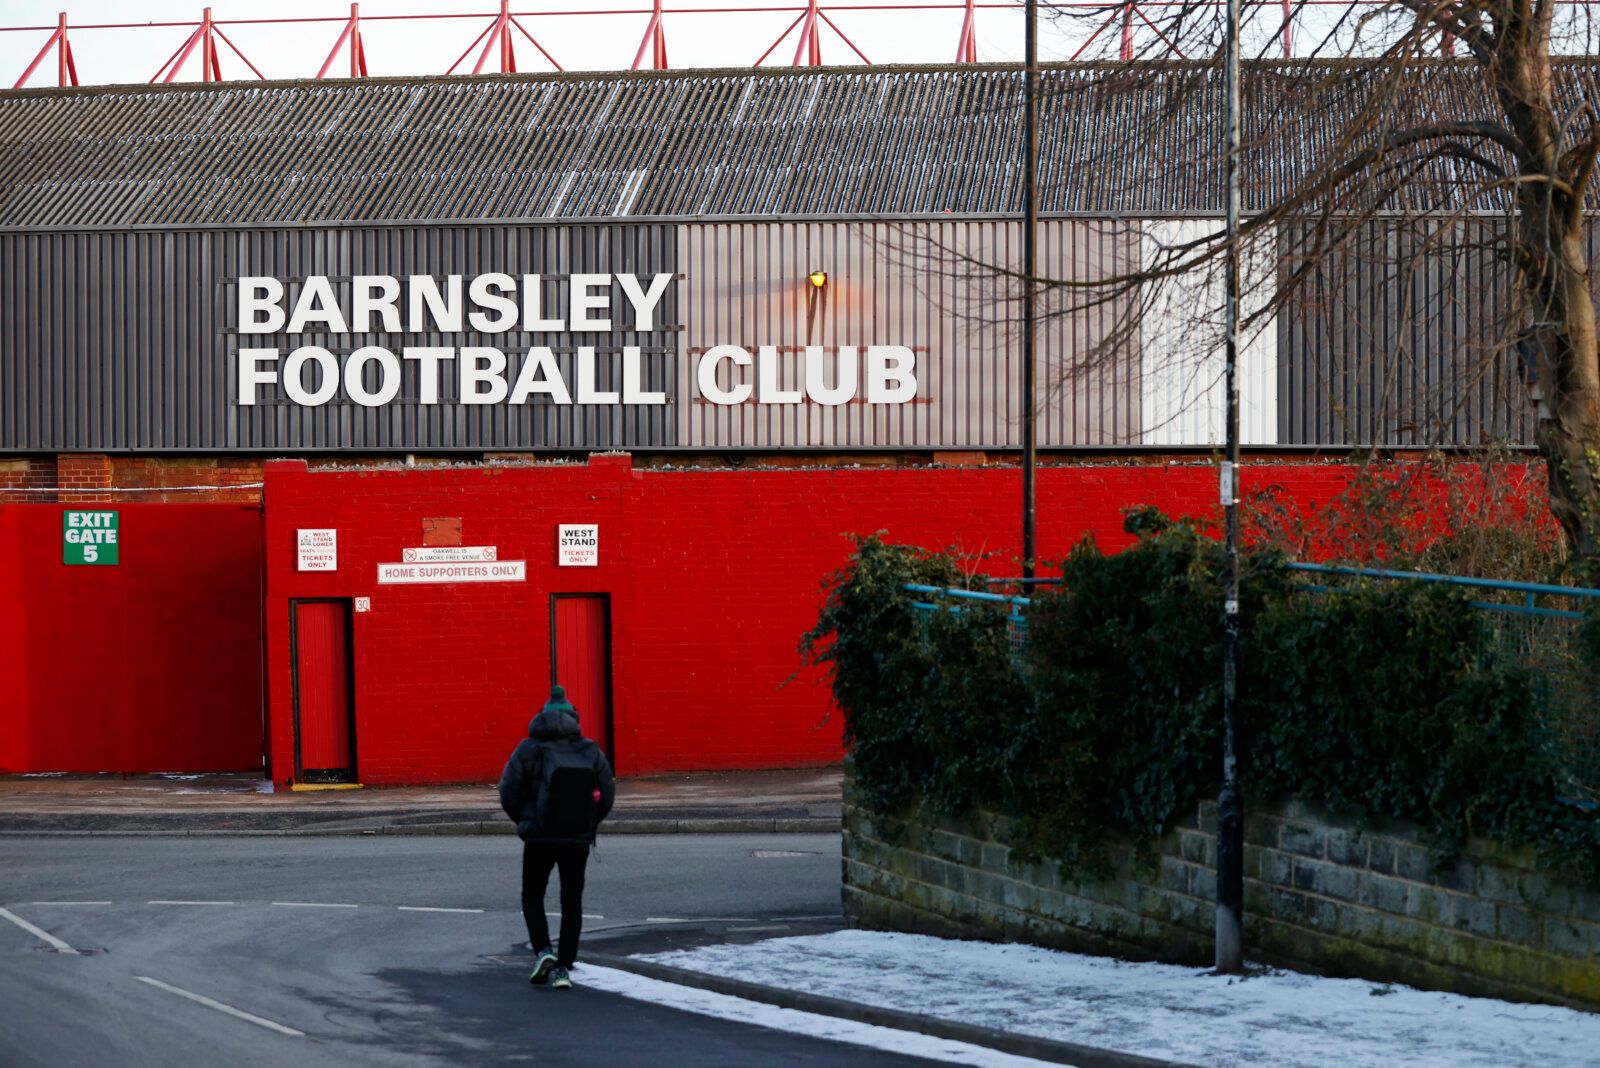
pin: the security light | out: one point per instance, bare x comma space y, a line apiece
819, 278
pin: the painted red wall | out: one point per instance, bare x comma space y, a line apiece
713, 576
151, 664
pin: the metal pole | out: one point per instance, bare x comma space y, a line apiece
1030, 258
61, 49
358, 53
1230, 808
208, 50
967, 49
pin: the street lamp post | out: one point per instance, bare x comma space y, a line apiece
1230, 807
1030, 253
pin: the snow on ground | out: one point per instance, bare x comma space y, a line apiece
1281, 1019
707, 1003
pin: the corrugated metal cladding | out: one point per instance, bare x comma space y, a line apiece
863, 141
120, 338
1401, 338
921, 285
125, 340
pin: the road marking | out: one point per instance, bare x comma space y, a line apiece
759, 927
313, 905
586, 915
188, 902
431, 908
700, 919
210, 1003
46, 936
55, 903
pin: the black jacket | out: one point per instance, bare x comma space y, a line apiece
556, 727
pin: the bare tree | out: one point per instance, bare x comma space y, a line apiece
1415, 135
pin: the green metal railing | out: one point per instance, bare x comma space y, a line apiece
1535, 626
1531, 624
1016, 619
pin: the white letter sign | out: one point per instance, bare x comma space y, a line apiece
578, 545
334, 317
493, 571
318, 549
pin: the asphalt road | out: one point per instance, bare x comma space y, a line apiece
394, 980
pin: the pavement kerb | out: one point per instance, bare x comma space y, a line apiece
800, 825
1042, 1049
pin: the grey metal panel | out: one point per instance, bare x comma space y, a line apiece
1398, 338
1089, 344
125, 340
866, 141
930, 286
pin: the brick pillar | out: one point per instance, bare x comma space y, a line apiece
80, 474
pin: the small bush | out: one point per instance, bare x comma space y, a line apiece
1128, 648
882, 670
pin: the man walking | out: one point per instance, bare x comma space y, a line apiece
558, 787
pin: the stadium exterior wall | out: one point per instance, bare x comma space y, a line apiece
711, 576
165, 661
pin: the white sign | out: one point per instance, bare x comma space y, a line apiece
578, 545
496, 571
451, 554
363, 604
318, 550
530, 304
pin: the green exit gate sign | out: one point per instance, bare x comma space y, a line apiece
89, 537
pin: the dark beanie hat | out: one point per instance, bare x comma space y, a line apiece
558, 698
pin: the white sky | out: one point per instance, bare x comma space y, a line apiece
578, 42
597, 42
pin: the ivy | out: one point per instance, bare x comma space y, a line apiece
1377, 700
870, 639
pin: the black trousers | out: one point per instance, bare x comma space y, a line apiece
570, 860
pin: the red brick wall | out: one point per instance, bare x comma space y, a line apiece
28, 478
78, 476
713, 576
167, 476
150, 664
95, 478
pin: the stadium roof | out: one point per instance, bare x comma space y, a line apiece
870, 141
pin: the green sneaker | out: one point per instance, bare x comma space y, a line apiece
542, 970
560, 980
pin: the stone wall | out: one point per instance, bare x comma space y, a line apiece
1321, 895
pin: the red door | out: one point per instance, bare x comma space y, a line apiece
580, 659
324, 742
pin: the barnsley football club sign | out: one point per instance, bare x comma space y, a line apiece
422, 306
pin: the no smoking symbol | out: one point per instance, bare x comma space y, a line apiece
410, 556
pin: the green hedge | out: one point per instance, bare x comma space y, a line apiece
1377, 701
